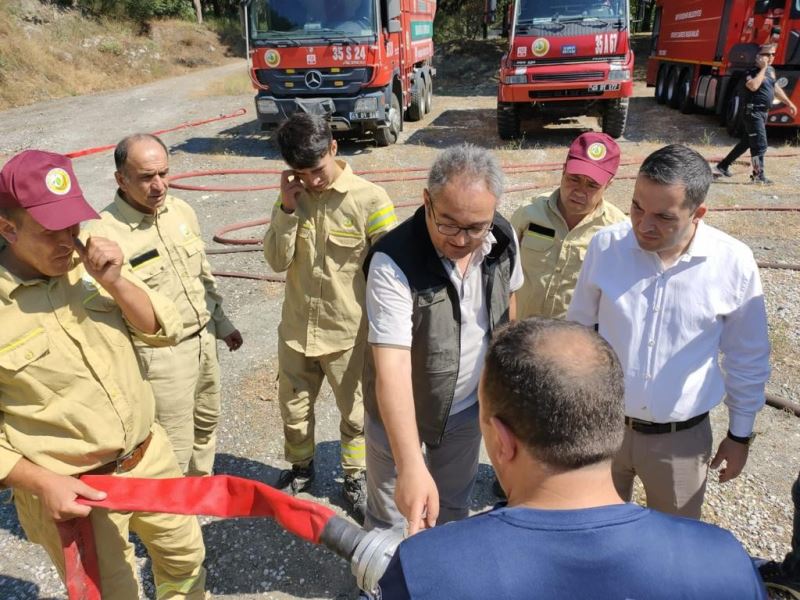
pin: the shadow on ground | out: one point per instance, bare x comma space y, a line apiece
12, 588
8, 519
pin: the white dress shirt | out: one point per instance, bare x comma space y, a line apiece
686, 335
390, 307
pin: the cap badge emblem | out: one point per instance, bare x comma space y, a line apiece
58, 181
596, 151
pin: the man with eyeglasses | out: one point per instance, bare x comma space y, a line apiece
760, 91
437, 288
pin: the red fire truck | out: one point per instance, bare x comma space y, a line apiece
701, 50
566, 58
359, 63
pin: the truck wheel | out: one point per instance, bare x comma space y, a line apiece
428, 93
661, 84
735, 115
685, 104
508, 121
416, 109
385, 136
672, 87
615, 116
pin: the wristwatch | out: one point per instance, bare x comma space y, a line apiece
746, 440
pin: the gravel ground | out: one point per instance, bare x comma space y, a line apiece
254, 558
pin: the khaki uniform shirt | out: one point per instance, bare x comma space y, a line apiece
165, 251
552, 255
72, 396
322, 246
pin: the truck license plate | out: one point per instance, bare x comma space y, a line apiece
604, 87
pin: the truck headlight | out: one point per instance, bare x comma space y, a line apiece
267, 107
618, 73
509, 79
364, 105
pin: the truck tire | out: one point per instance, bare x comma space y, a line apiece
386, 136
672, 87
416, 109
684, 92
428, 93
661, 84
615, 116
735, 115
508, 122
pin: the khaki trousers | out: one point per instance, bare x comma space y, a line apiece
673, 468
186, 386
299, 381
174, 542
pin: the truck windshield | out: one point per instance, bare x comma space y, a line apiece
295, 19
534, 11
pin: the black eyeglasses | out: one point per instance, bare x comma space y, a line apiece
474, 233
766, 54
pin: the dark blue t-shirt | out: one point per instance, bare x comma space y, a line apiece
621, 552
765, 93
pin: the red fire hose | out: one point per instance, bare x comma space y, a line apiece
220, 496
88, 151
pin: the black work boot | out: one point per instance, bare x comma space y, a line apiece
296, 480
722, 170
758, 175
354, 491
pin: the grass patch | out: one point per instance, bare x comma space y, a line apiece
237, 84
48, 52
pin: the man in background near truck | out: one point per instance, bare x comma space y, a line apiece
760, 91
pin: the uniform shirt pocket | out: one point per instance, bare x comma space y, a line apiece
192, 255
346, 250
106, 315
24, 350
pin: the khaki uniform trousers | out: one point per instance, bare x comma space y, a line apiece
174, 542
299, 383
673, 468
186, 385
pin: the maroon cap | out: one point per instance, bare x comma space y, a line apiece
595, 155
44, 184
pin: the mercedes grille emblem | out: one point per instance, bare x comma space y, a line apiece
313, 79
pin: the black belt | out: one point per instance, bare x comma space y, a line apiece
650, 427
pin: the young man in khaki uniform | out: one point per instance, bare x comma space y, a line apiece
72, 397
160, 236
323, 225
555, 229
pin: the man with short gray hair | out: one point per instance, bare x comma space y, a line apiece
437, 287
681, 304
551, 407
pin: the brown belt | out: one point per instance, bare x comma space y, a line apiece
124, 463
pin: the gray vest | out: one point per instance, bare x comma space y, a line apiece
436, 317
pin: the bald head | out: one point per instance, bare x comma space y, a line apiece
558, 387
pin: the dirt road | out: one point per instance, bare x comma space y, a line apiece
254, 558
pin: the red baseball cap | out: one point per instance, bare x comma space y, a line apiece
44, 184
595, 155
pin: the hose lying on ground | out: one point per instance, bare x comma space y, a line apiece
369, 553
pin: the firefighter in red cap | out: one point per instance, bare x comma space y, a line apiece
72, 397
554, 230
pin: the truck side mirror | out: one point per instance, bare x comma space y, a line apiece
395, 26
